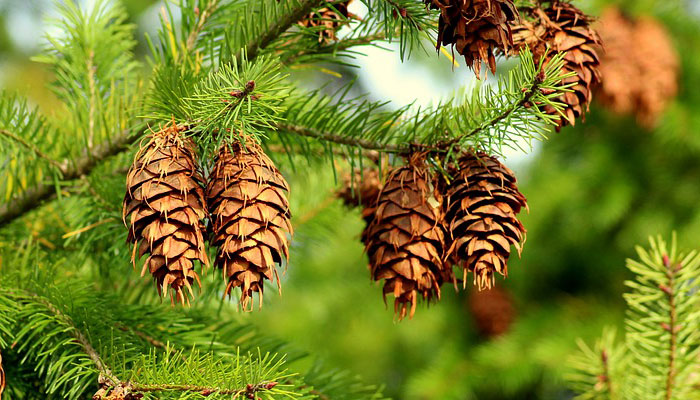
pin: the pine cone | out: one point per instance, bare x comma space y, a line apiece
563, 27
165, 202
250, 218
482, 203
492, 311
330, 19
639, 67
405, 240
476, 28
362, 188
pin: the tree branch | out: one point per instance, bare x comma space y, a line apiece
204, 390
406, 148
347, 140
35, 196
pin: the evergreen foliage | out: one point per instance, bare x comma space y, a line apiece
74, 320
658, 359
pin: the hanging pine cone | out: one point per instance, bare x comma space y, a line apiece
492, 311
476, 28
362, 188
164, 202
328, 20
482, 203
250, 217
639, 67
405, 240
563, 27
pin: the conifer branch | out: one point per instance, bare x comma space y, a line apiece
33, 148
346, 140
35, 196
525, 101
249, 390
79, 337
672, 326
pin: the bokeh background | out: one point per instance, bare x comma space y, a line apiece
594, 191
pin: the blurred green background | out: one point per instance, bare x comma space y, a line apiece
594, 192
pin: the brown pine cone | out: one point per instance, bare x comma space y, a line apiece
405, 240
482, 206
639, 67
564, 28
165, 206
476, 28
250, 218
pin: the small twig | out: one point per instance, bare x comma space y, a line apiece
606, 372
372, 155
309, 215
672, 327
33, 148
250, 390
87, 228
205, 14
493, 121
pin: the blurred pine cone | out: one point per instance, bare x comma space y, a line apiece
165, 204
362, 188
250, 218
482, 203
328, 20
564, 28
405, 240
492, 311
476, 28
639, 66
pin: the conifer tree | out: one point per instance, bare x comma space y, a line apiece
190, 140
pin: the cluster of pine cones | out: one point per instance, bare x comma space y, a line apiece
420, 225
479, 29
167, 201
